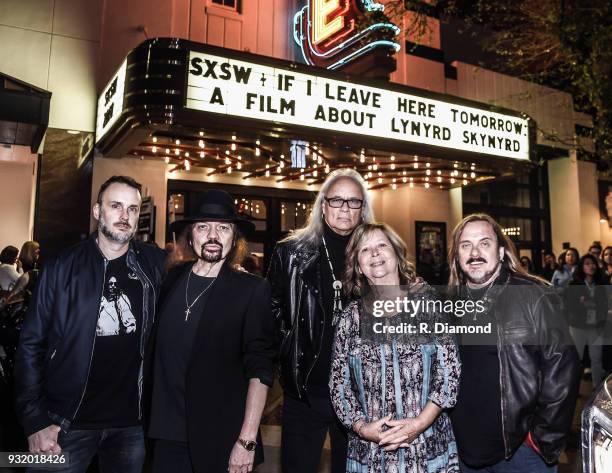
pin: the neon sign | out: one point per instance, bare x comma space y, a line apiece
333, 33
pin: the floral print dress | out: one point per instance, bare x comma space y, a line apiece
370, 380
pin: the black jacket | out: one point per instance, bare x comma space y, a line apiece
234, 343
297, 308
57, 339
539, 366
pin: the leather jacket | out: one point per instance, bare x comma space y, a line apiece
297, 307
539, 365
57, 339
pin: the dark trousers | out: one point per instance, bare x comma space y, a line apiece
303, 435
171, 457
119, 450
524, 460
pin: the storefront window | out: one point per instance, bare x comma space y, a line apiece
294, 214
233, 4
255, 209
176, 207
516, 228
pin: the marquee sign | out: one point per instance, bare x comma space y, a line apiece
243, 89
110, 102
333, 33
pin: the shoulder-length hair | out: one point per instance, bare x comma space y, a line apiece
510, 260
28, 256
184, 251
310, 235
579, 274
354, 282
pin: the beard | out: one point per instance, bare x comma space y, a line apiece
212, 256
118, 237
479, 276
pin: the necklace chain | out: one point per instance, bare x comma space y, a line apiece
337, 286
188, 305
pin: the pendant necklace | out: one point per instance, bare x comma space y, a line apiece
187, 304
337, 286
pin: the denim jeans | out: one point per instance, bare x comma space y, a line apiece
524, 460
119, 450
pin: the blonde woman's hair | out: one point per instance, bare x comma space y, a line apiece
354, 281
311, 234
510, 260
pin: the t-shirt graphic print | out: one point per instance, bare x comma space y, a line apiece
116, 316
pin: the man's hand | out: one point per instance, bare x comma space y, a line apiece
45, 440
372, 430
401, 433
241, 460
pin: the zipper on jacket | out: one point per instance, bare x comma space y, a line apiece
93, 345
322, 336
53, 354
501, 389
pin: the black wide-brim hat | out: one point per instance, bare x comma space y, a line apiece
215, 206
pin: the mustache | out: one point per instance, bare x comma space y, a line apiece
212, 241
476, 260
122, 223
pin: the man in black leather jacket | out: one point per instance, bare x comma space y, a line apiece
78, 370
519, 384
304, 268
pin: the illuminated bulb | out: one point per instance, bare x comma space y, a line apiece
362, 159
375, 167
393, 180
472, 167
201, 133
473, 175
257, 142
416, 165
427, 185
201, 143
267, 166
315, 173
155, 139
393, 186
315, 148
439, 179
177, 142
233, 137
439, 173
392, 166
227, 152
369, 167
267, 173
257, 152
202, 154
228, 161
380, 173
239, 166
282, 164
278, 170
229, 170
320, 160
233, 146
177, 152
465, 182
456, 165
416, 158
392, 158
187, 165
404, 180
427, 164
369, 175
167, 150
380, 180
412, 184
426, 179
301, 177
154, 149
428, 172
327, 168
464, 175
167, 159
452, 180
411, 179
186, 154
404, 173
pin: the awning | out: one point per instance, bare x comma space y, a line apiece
24, 113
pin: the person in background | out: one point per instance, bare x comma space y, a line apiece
391, 394
527, 264
587, 307
607, 260
595, 250
563, 275
549, 265
8, 268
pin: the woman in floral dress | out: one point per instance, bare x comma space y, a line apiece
391, 393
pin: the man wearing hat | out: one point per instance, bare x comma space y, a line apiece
212, 359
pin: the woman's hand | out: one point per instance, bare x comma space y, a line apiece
401, 433
372, 430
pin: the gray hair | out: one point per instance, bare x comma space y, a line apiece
311, 234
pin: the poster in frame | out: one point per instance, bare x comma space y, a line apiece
430, 249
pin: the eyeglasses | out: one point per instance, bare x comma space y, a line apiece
338, 203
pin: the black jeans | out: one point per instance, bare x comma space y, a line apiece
171, 457
303, 435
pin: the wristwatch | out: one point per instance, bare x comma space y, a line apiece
249, 445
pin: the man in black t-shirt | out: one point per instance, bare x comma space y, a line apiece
518, 385
79, 364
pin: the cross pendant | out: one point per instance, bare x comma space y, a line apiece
187, 312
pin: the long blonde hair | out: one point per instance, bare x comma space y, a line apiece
354, 282
510, 260
311, 234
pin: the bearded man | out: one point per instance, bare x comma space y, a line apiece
78, 384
